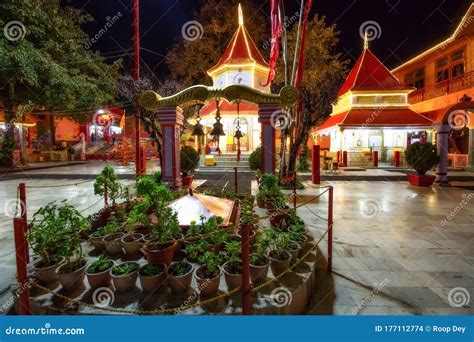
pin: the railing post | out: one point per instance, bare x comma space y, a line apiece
24, 216
344, 158
236, 184
316, 164
106, 198
294, 190
246, 288
330, 226
376, 158
21, 268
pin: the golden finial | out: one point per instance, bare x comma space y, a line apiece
366, 41
241, 16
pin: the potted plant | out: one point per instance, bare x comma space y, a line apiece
294, 249
107, 184
124, 276
247, 216
197, 249
278, 253
162, 246
208, 275
71, 274
259, 262
152, 276
98, 273
422, 157
180, 277
53, 228
189, 161
233, 266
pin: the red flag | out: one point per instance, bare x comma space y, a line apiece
300, 69
276, 33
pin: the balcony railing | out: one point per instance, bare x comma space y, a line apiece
459, 83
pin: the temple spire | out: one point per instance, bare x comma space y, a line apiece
241, 16
366, 41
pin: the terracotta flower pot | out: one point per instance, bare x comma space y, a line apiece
416, 179
261, 202
279, 266
180, 283
123, 283
207, 286
151, 283
72, 279
232, 280
101, 279
294, 252
113, 243
97, 242
47, 275
132, 243
160, 252
258, 274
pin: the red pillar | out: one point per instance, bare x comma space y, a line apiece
21, 248
338, 157
267, 161
396, 159
330, 224
246, 287
376, 158
24, 217
344, 158
136, 76
143, 160
315, 165
171, 121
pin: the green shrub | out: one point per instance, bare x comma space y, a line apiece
254, 159
422, 157
189, 160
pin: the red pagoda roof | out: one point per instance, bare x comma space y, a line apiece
370, 74
241, 49
377, 118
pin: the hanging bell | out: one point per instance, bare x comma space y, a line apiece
238, 134
217, 129
198, 130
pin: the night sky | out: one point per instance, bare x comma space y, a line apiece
406, 26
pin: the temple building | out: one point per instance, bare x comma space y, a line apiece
372, 114
241, 63
442, 76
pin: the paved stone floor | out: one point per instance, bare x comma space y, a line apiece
398, 249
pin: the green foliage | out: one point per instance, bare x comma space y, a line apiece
233, 251
211, 261
197, 249
279, 241
247, 215
422, 157
107, 183
189, 160
56, 230
180, 268
150, 270
260, 249
271, 190
254, 159
303, 163
100, 265
124, 269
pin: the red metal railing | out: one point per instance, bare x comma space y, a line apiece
443, 88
